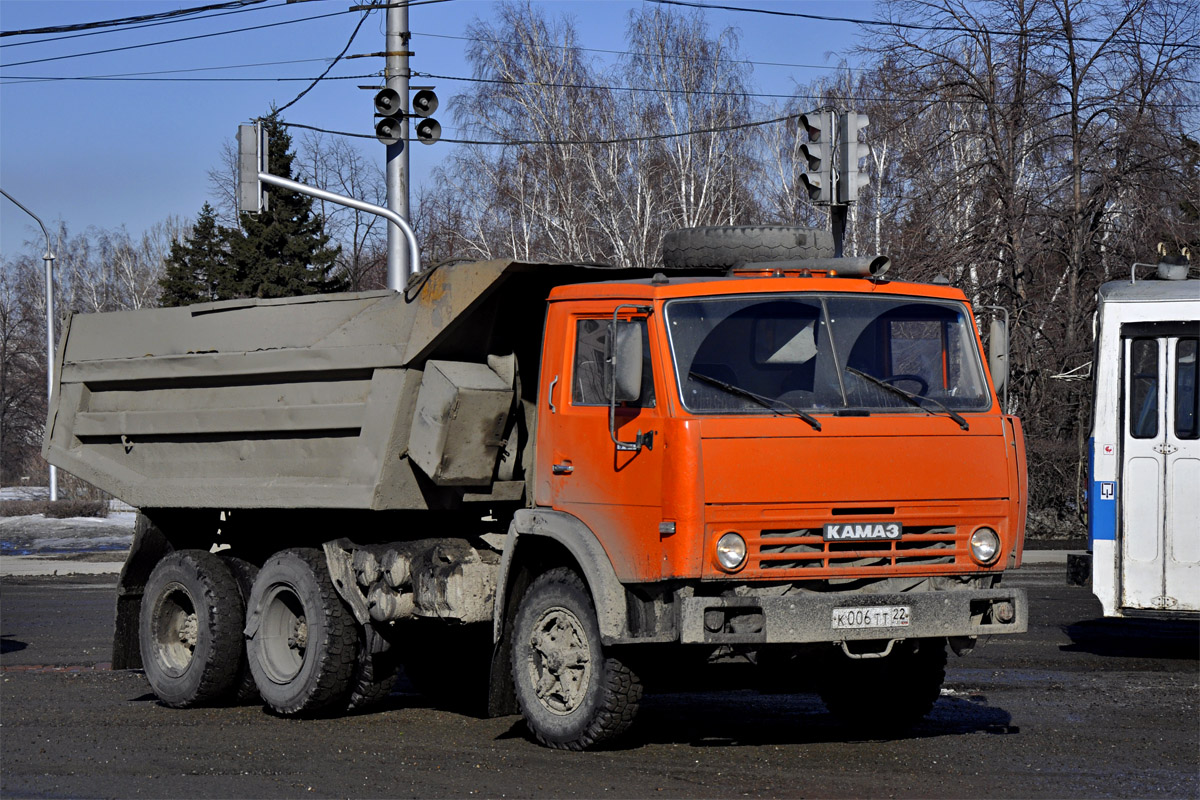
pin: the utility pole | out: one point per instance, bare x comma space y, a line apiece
49, 259
396, 47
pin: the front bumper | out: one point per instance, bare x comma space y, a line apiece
801, 618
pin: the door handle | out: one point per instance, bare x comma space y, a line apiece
562, 469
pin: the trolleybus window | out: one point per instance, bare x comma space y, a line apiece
1185, 390
1143, 388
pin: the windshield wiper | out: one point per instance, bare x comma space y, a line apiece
914, 399
765, 402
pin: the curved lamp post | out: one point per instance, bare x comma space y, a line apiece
49, 259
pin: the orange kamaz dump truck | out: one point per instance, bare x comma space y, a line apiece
539, 486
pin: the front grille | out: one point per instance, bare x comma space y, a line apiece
804, 551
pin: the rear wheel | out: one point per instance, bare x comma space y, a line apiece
913, 674
376, 672
302, 645
572, 693
190, 629
244, 573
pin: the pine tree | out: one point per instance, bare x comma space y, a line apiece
283, 251
197, 269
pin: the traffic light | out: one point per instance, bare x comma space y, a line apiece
425, 102
252, 159
389, 129
850, 152
818, 151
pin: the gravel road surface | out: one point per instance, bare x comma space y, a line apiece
1078, 707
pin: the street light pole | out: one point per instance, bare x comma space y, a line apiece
48, 257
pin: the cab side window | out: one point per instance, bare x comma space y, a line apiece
589, 373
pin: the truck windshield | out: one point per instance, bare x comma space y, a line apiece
825, 353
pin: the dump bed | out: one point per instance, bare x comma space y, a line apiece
300, 402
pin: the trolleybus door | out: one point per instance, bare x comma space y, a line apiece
1160, 475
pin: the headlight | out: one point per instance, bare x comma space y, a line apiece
985, 545
731, 551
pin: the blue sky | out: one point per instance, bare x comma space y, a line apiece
108, 153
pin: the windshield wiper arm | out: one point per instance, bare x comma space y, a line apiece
765, 402
914, 399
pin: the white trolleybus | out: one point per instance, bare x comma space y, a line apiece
1144, 451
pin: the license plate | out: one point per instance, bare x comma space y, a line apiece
862, 531
872, 617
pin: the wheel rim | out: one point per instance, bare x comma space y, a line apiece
176, 630
283, 635
560, 661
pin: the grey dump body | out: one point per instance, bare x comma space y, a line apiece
310, 402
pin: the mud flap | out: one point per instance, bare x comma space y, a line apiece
148, 548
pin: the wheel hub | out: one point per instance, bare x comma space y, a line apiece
284, 634
189, 631
176, 630
560, 666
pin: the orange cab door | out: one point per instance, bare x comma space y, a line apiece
616, 493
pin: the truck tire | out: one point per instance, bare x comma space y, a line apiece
913, 673
375, 673
718, 246
572, 693
245, 692
190, 629
302, 643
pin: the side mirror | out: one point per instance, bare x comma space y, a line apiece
625, 363
623, 373
998, 353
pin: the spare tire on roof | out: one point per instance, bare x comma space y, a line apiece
722, 246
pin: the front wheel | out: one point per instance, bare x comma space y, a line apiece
572, 694
913, 673
302, 644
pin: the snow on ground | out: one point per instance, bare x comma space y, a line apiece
39, 535
36, 534
24, 493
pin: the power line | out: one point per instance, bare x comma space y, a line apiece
906, 25
366, 13
602, 87
189, 69
16, 80
147, 25
132, 75
573, 142
110, 23
628, 52
175, 41
332, 64
653, 90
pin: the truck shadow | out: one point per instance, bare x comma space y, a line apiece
1135, 638
750, 718
747, 718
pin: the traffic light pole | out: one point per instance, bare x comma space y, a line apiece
397, 154
837, 220
399, 227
